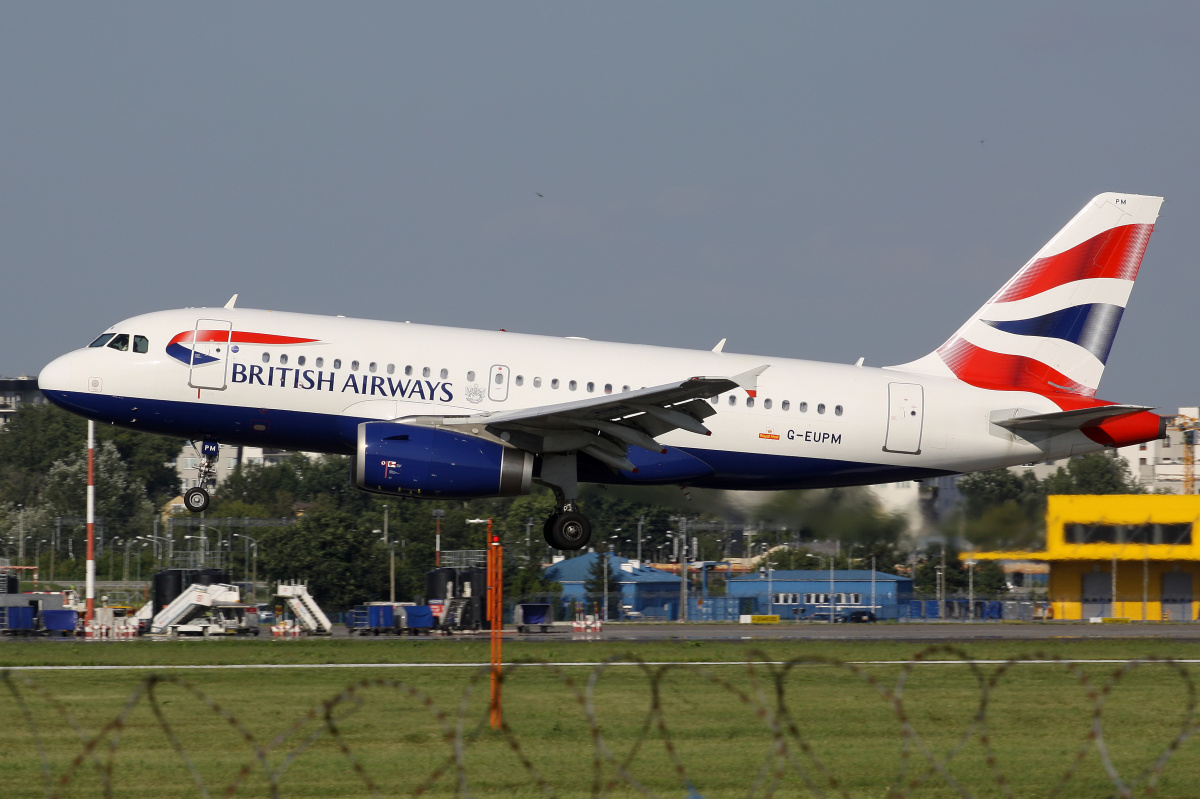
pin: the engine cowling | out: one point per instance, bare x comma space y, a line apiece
395, 458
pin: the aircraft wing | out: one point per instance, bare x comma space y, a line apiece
606, 426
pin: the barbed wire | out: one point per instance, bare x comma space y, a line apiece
759, 685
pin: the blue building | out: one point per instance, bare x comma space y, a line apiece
803, 594
644, 592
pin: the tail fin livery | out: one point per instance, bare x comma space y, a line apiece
1050, 328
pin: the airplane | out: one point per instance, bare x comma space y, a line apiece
441, 412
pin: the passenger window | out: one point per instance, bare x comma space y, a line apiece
785, 405
408, 371
391, 369
608, 388
520, 380
444, 373
624, 388
337, 363
320, 362
732, 400
300, 361
499, 377
766, 404
470, 377
425, 372
572, 385
713, 400
554, 383
837, 410
804, 407
283, 359
120, 342
102, 340
537, 382
141, 344
749, 402
371, 367
821, 408
354, 366
591, 387
266, 357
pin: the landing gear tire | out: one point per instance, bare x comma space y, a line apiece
569, 530
196, 499
547, 526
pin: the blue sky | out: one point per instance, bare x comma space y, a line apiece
823, 181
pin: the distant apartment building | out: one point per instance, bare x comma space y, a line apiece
15, 391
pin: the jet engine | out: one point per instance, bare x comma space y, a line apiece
395, 458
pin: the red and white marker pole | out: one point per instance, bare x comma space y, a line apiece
91, 525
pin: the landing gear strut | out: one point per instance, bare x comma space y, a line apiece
196, 499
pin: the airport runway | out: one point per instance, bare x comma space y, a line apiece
945, 632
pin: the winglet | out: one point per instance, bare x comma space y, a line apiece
232, 301
749, 379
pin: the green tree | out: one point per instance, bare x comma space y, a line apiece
1096, 473
989, 576
343, 563
38, 436
602, 579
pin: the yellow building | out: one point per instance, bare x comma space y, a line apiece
1125, 556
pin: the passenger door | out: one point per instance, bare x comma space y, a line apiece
210, 354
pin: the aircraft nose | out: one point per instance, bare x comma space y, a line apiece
57, 375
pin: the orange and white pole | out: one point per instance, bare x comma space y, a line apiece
91, 524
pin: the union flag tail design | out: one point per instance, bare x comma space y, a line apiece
1050, 328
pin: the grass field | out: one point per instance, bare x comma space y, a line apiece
728, 730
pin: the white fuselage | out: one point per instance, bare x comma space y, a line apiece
808, 423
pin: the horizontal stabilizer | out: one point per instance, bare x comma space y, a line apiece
1061, 421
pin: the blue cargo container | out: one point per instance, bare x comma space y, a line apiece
59, 620
418, 618
20, 619
381, 617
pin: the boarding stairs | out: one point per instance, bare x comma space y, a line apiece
452, 617
194, 601
305, 608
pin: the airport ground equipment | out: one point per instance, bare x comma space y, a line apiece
391, 618
533, 614
461, 587
213, 609
304, 608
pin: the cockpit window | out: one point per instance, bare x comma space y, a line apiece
102, 340
120, 342
141, 344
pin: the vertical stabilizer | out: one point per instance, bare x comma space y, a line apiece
1050, 328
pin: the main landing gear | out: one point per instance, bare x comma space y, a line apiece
566, 528
196, 499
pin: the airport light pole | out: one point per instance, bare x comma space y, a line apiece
971, 589
252, 542
438, 515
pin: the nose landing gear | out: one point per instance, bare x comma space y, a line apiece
196, 499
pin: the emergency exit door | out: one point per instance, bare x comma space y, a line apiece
498, 383
906, 413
